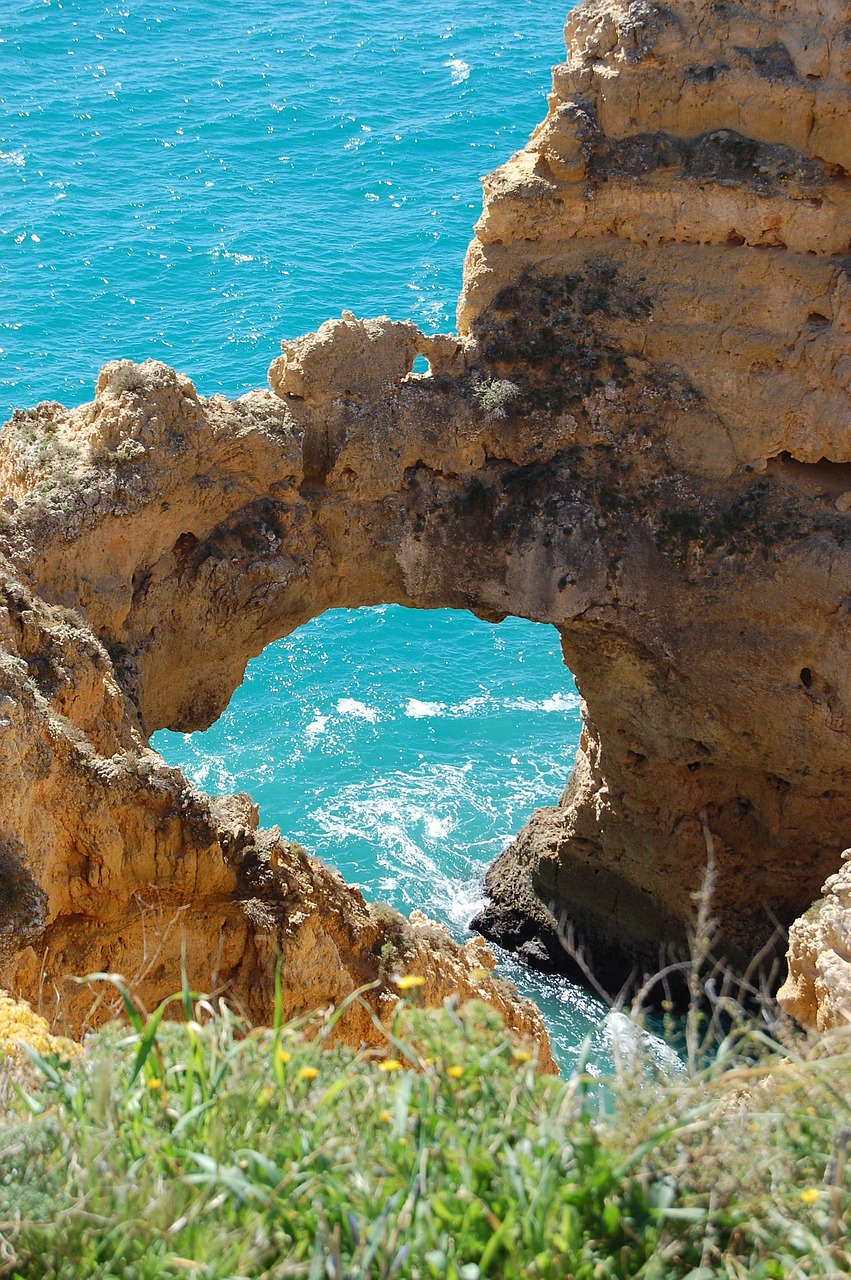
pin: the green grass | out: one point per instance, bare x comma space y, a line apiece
174, 1149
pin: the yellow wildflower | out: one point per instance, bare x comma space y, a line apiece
283, 1056
809, 1195
386, 1117
154, 1083
308, 1073
455, 1072
389, 1064
409, 981
521, 1055
479, 974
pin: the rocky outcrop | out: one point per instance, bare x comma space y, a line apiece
665, 269
817, 991
639, 435
111, 861
19, 1027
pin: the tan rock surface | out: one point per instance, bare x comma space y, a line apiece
679, 226
640, 435
112, 862
817, 991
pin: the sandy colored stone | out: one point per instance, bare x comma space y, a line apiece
817, 992
346, 357
113, 863
659, 285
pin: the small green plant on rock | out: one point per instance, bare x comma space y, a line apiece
126, 375
495, 395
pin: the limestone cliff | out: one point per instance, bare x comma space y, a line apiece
665, 270
640, 435
817, 990
111, 861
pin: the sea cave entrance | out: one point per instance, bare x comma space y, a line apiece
405, 747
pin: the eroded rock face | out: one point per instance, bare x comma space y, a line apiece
110, 860
817, 991
665, 269
640, 435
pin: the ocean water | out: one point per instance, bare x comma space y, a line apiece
195, 182
406, 748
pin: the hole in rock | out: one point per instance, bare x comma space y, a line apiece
818, 479
184, 544
420, 365
806, 678
406, 748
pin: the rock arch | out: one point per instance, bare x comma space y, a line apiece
629, 438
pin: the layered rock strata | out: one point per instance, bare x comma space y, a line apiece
665, 268
639, 435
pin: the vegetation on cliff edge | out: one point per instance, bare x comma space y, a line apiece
191, 1148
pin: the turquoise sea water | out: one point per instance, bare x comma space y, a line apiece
196, 181
406, 748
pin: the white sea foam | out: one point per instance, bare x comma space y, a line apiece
560, 702
418, 710
437, 828
463, 899
351, 707
317, 725
430, 309
13, 157
459, 69
556, 702
631, 1042
471, 706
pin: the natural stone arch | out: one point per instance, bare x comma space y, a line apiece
428, 501
369, 738
662, 278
